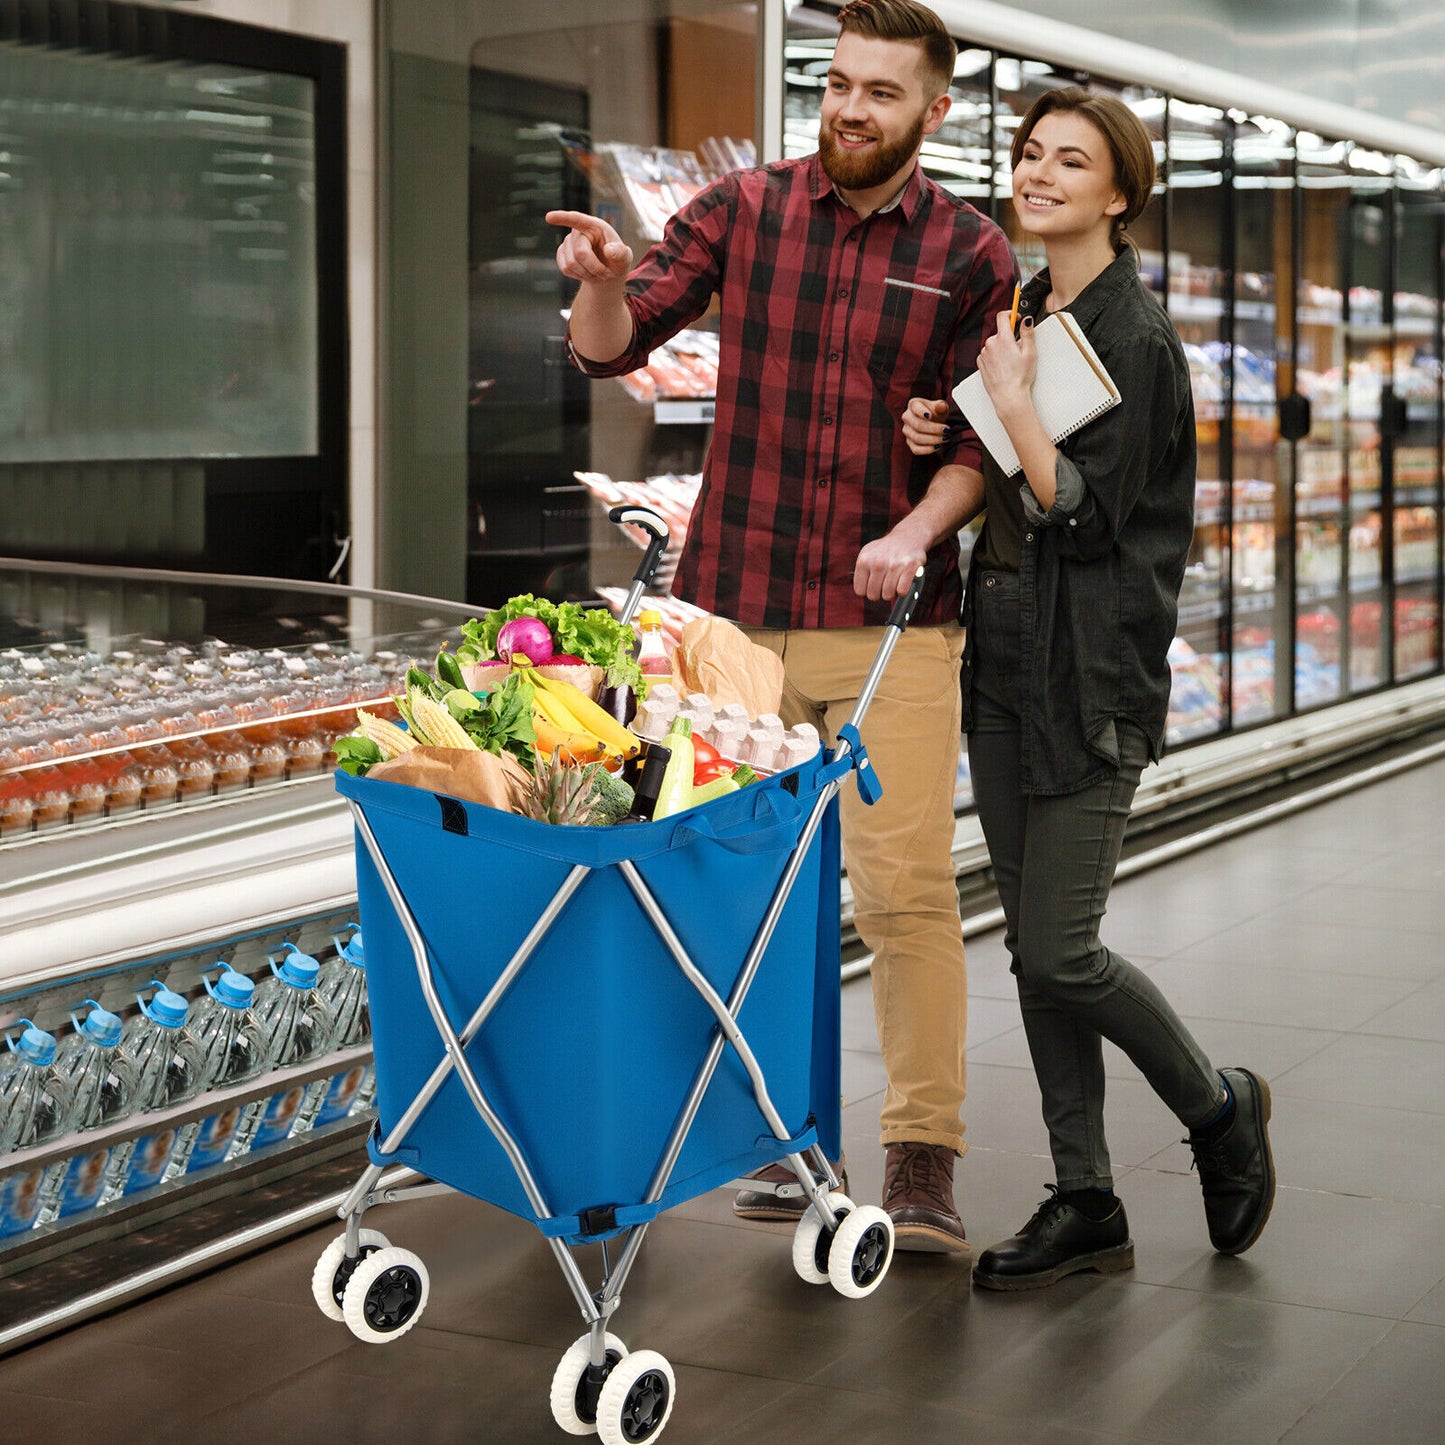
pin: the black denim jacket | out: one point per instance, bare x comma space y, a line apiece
1100, 571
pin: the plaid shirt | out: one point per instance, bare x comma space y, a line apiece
829, 323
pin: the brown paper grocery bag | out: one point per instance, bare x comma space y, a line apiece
498, 780
718, 658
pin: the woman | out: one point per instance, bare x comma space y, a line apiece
1071, 606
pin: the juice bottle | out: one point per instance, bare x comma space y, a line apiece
652, 654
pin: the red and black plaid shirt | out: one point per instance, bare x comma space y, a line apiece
829, 323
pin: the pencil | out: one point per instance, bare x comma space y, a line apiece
1013, 315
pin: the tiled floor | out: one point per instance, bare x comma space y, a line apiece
1310, 951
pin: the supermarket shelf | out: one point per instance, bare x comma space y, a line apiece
81, 900
683, 410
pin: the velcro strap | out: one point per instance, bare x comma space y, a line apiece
869, 788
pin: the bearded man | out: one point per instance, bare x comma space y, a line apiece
848, 282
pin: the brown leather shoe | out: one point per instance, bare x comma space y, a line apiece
918, 1198
783, 1198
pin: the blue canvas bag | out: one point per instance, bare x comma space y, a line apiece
589, 1056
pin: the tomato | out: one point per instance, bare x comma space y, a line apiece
711, 772
704, 755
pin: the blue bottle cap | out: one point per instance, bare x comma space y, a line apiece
100, 1026
232, 988
165, 1008
36, 1046
354, 951
300, 970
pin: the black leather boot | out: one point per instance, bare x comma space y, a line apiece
1057, 1241
1236, 1168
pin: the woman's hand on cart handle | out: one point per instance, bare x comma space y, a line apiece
655, 527
925, 425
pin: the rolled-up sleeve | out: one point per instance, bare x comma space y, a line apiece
673, 284
1068, 495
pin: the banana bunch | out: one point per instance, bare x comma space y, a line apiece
568, 722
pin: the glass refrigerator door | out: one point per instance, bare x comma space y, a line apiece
1320, 515
1263, 241
1415, 449
1369, 381
1196, 182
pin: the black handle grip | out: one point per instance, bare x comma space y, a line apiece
903, 609
651, 523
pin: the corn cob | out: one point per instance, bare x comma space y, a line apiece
443, 730
390, 739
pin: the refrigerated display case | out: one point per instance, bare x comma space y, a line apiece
168, 809
1303, 273
1198, 299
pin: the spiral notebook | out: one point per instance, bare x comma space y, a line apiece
1070, 389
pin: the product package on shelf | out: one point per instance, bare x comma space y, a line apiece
684, 367
721, 154
669, 495
86, 736
654, 182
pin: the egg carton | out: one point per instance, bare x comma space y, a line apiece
763, 743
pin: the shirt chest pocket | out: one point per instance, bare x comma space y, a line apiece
914, 319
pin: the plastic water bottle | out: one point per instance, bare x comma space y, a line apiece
102, 1080
233, 1049
168, 1072
35, 1105
342, 984
298, 1027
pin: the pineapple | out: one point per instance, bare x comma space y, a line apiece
562, 792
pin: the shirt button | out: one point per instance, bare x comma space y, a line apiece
990, 581
812, 586
842, 293
1073, 521
1028, 536
827, 421
832, 356
822, 481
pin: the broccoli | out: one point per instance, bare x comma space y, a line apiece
612, 797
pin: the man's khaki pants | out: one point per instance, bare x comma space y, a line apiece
899, 852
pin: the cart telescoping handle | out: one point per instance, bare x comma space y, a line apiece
897, 621
656, 528
902, 613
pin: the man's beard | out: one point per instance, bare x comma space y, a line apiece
862, 170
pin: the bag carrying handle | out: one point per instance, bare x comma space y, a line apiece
776, 836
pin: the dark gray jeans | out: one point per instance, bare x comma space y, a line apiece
1054, 860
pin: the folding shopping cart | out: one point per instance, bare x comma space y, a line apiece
639, 1014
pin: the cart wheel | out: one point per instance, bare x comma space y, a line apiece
569, 1408
636, 1399
333, 1270
385, 1296
861, 1252
811, 1242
